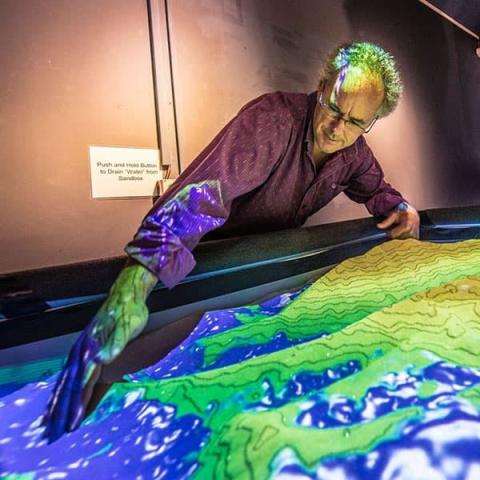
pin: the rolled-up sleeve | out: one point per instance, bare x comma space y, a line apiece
367, 184
238, 160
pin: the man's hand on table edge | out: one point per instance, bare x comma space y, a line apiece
406, 221
121, 318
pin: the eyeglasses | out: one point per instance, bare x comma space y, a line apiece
335, 114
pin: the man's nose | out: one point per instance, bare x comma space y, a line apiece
337, 125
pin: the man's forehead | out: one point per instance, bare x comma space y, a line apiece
356, 93
355, 80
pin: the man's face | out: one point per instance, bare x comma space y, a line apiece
347, 104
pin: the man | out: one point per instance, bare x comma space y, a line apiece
279, 160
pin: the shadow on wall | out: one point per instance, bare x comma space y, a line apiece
440, 71
295, 38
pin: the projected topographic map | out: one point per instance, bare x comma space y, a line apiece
371, 372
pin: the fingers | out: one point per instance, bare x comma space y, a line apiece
390, 220
403, 231
54, 397
408, 224
65, 408
102, 341
399, 232
57, 413
88, 391
79, 381
414, 234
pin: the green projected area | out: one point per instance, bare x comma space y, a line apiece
373, 371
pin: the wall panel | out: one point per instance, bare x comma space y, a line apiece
73, 74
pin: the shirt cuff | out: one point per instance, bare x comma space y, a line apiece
384, 205
168, 259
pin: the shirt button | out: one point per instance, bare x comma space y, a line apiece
334, 185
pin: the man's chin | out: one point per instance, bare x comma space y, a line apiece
331, 147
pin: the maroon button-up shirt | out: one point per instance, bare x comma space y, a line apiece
257, 175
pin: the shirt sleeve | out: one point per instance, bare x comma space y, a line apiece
239, 159
368, 185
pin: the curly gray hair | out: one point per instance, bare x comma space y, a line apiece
374, 62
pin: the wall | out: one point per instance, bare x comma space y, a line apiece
78, 73
74, 73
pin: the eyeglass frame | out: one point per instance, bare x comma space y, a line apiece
339, 116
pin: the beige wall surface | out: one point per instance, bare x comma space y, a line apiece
78, 73
74, 73
231, 51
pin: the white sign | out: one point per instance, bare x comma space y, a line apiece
122, 172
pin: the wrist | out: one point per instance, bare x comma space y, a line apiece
402, 207
135, 282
